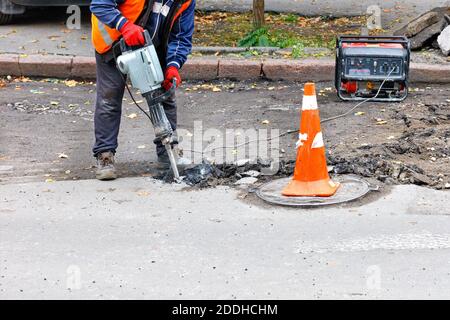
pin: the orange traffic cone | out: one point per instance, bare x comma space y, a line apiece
311, 177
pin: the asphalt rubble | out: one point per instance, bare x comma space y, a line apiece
379, 166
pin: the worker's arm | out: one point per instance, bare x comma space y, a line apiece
180, 39
107, 12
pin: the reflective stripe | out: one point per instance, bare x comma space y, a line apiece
165, 10
105, 35
157, 7
301, 137
309, 103
318, 141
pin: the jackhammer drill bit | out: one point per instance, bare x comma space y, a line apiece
173, 162
163, 131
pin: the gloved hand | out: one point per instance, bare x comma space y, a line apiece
132, 34
171, 72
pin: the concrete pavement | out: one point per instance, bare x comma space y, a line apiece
138, 239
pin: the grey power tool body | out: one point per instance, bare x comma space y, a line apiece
144, 70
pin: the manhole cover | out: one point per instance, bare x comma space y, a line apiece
351, 188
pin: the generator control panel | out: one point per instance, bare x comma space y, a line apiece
372, 67
365, 63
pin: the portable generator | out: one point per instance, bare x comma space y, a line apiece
371, 67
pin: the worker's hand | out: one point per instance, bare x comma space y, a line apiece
132, 34
171, 73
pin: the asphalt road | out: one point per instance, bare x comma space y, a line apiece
137, 239
67, 236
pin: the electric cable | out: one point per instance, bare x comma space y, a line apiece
297, 130
345, 114
361, 103
128, 88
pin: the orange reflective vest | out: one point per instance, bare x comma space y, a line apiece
103, 37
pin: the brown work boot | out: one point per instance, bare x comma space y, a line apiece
105, 166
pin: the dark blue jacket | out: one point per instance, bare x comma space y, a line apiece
179, 42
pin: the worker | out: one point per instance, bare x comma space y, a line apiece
171, 26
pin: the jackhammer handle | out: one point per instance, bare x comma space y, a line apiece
163, 97
124, 47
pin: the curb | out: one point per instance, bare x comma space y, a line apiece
207, 68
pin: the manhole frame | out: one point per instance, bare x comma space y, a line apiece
305, 202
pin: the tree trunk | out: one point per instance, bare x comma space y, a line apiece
258, 13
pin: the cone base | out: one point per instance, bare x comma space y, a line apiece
321, 188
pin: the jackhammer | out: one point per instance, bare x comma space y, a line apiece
144, 70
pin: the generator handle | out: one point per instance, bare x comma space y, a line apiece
373, 39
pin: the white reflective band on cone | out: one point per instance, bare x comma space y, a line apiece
309, 103
301, 137
318, 141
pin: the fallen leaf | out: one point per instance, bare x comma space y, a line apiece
360, 113
49, 180
132, 116
142, 147
143, 193
71, 83
265, 122
63, 156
